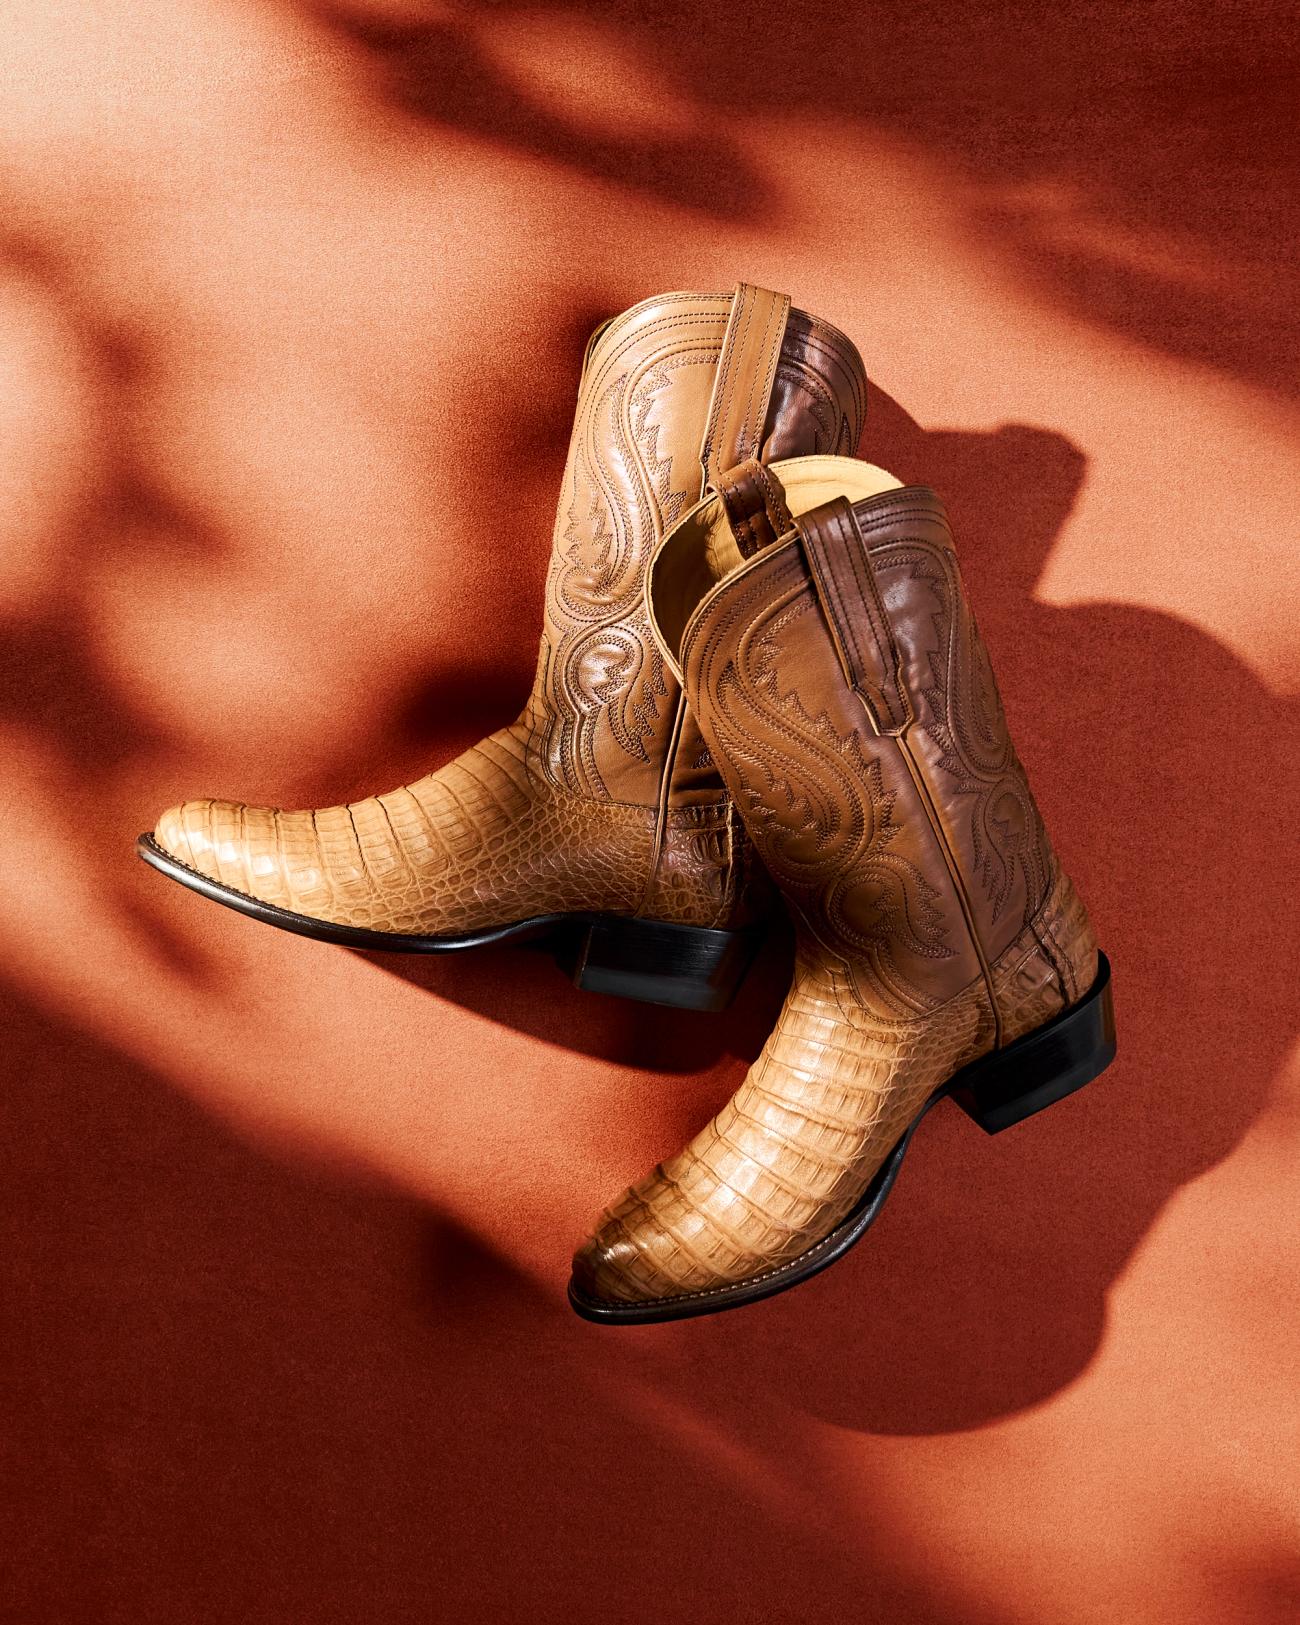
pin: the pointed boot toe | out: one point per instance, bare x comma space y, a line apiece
606, 1269
637, 1259
334, 873
238, 855
597, 820
197, 834
171, 835
711, 1222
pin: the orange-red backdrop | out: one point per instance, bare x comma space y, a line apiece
291, 316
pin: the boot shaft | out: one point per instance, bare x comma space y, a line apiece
842, 681
674, 391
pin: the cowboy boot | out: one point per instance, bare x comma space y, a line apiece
846, 695
597, 818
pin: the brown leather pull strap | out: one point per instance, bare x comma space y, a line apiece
836, 551
755, 503
742, 385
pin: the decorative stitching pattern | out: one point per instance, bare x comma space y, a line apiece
962, 714
817, 810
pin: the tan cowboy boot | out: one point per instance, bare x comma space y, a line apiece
847, 697
597, 817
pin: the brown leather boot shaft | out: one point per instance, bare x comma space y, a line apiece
851, 703
660, 397
892, 601
675, 392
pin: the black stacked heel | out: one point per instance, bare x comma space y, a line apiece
1044, 1066
686, 967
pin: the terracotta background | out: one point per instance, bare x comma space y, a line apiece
291, 316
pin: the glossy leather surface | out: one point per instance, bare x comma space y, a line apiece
933, 922
602, 796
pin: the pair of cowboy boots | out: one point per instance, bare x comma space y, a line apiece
758, 666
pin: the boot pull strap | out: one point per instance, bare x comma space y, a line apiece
742, 385
754, 500
836, 551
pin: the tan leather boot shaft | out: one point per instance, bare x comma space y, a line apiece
602, 797
841, 682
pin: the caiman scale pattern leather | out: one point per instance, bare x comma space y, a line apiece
843, 687
601, 797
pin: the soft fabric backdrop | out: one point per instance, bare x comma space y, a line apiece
291, 317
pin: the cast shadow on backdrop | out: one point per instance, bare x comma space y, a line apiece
341, 1363
179, 1275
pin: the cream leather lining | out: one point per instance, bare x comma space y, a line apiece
700, 550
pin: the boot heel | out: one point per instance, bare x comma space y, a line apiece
1043, 1066
688, 967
